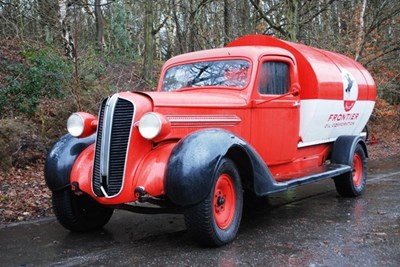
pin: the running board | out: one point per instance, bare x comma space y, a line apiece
313, 175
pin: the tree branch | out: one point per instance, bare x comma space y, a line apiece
317, 13
382, 54
264, 17
156, 30
94, 5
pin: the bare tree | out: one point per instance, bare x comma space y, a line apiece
48, 15
149, 32
100, 23
364, 29
148, 41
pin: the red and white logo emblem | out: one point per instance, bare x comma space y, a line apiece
350, 90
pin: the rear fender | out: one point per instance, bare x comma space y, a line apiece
61, 158
193, 161
344, 147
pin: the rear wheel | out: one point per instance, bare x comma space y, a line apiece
215, 220
352, 184
79, 213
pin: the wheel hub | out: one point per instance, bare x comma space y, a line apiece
220, 201
357, 170
224, 201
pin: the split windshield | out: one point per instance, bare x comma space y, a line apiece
221, 73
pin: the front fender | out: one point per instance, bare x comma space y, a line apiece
192, 166
59, 161
151, 171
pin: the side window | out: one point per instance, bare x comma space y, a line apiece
274, 78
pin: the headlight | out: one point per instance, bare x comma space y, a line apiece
75, 125
150, 125
153, 125
81, 124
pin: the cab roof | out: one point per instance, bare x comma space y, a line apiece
252, 52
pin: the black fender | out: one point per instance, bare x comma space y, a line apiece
193, 161
60, 159
344, 147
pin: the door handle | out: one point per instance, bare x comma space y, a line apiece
296, 104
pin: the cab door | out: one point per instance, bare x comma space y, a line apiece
276, 110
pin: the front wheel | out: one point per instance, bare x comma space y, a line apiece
215, 220
353, 183
79, 213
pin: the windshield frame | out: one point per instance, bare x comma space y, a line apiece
203, 60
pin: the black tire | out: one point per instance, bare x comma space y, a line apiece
79, 213
215, 220
353, 183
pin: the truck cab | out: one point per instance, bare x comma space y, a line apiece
256, 117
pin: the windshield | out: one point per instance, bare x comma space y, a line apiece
226, 73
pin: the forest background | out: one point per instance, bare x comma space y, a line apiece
62, 56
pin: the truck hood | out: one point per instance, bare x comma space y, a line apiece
196, 99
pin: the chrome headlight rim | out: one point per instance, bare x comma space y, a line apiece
75, 125
150, 125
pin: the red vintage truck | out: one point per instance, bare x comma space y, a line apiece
256, 117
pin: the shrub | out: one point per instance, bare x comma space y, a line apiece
46, 74
390, 92
20, 144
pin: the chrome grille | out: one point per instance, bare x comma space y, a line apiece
115, 123
97, 182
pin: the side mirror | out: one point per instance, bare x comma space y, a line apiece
295, 90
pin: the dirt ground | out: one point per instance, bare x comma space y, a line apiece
24, 195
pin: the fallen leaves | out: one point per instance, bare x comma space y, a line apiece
24, 194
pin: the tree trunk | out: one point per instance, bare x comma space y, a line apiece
361, 31
293, 19
65, 18
227, 21
192, 27
101, 45
244, 17
148, 41
178, 28
48, 12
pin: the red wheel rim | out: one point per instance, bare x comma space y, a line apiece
224, 201
357, 170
